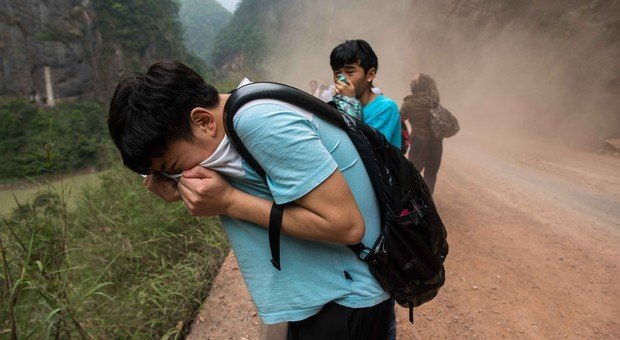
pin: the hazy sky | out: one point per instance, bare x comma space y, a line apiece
230, 5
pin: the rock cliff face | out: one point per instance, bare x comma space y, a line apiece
48, 50
56, 50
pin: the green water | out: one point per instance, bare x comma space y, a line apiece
72, 185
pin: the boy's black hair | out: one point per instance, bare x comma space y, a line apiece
149, 111
352, 51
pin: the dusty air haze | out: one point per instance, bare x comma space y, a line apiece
497, 68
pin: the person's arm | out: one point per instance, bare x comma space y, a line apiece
327, 213
300, 171
406, 111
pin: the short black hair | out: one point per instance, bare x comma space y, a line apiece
149, 111
351, 52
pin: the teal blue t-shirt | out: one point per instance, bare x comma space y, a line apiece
383, 114
298, 151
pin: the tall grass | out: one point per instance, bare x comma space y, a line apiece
122, 264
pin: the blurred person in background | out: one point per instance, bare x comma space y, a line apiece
425, 152
314, 88
326, 93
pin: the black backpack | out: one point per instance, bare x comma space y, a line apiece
407, 258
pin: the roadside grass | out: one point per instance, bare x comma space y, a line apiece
121, 264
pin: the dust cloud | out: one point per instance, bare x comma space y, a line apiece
537, 70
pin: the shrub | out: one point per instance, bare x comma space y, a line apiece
37, 141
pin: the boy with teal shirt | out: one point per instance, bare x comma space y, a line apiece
356, 60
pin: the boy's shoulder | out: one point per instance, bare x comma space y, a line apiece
267, 109
382, 103
387, 101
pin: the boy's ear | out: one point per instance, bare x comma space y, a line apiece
204, 120
370, 75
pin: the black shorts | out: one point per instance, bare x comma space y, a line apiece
338, 322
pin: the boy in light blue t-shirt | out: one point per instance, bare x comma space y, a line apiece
170, 121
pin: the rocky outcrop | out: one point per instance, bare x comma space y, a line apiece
52, 51
48, 50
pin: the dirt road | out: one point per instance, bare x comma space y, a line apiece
534, 233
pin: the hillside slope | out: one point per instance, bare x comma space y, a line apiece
201, 20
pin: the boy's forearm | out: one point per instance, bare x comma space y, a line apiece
296, 221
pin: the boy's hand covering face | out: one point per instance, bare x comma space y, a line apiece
205, 192
162, 186
342, 88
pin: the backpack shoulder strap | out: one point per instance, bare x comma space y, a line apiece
268, 90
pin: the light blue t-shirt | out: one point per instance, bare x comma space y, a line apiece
382, 113
299, 151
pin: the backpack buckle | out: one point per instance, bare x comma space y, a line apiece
418, 206
364, 254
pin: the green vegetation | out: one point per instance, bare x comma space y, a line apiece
241, 46
135, 24
44, 36
145, 30
110, 260
123, 264
36, 141
201, 20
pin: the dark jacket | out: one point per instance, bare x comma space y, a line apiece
415, 107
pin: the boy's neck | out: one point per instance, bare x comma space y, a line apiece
218, 114
367, 97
